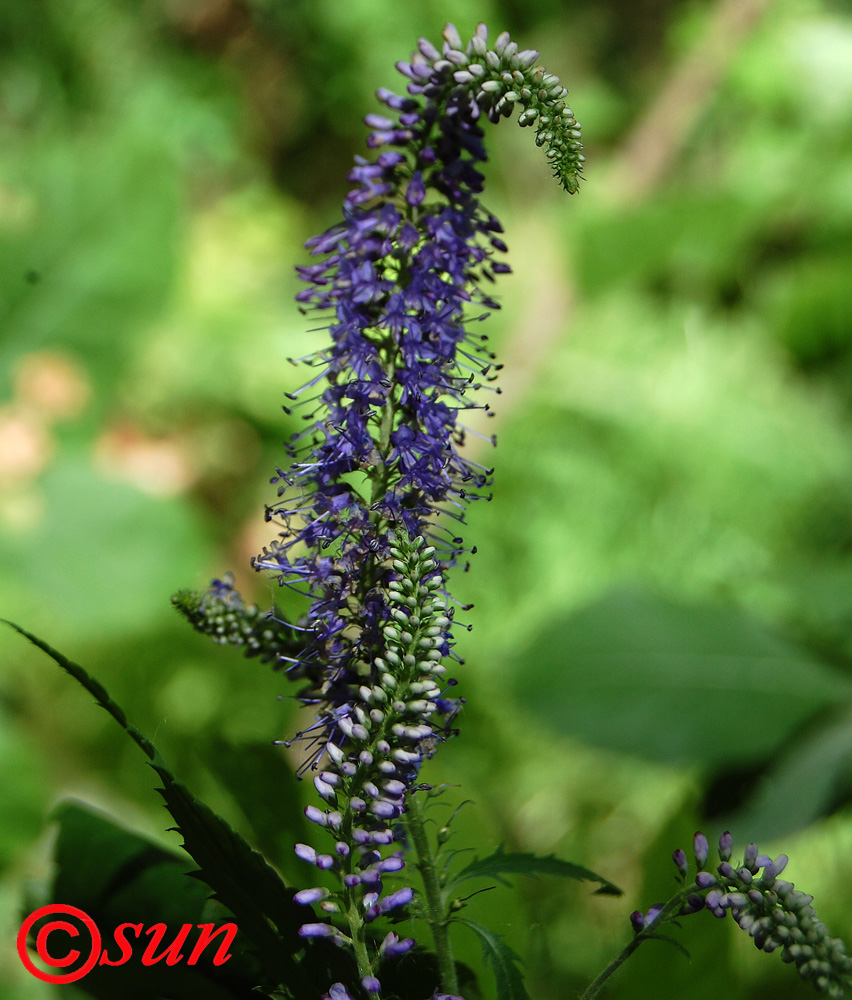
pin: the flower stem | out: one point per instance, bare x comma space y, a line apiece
670, 910
435, 915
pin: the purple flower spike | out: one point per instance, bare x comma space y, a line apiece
379, 471
701, 848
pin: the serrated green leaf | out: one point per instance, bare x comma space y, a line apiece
502, 960
240, 877
268, 793
117, 876
501, 863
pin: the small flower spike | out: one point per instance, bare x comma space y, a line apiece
221, 613
774, 913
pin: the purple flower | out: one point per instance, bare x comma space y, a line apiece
392, 947
395, 281
369, 506
338, 992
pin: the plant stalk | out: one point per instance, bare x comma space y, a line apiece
435, 915
670, 910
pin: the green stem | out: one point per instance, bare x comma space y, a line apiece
435, 915
356, 928
668, 912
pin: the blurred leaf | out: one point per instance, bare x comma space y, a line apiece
25, 791
670, 682
809, 304
693, 241
117, 580
802, 785
500, 863
503, 962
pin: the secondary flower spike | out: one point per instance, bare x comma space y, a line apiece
776, 915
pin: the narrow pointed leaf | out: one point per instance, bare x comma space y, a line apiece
502, 863
240, 877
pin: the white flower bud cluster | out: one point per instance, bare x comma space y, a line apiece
221, 614
387, 733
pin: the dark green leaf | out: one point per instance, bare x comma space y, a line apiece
502, 960
500, 864
240, 877
268, 792
117, 876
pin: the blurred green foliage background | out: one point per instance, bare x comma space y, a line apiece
663, 590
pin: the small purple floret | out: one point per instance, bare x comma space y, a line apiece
701, 848
316, 930
392, 947
307, 896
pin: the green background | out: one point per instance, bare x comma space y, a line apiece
663, 587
